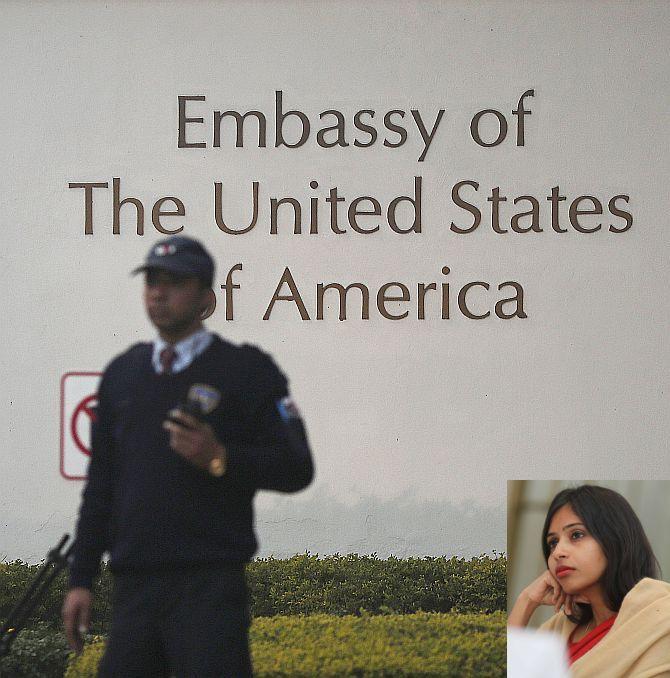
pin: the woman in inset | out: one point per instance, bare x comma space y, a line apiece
601, 578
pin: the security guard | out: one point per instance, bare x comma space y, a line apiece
187, 429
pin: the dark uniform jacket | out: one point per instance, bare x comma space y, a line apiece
152, 509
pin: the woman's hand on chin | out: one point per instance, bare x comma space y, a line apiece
545, 590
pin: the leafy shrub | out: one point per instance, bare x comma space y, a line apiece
15, 578
307, 584
421, 644
86, 664
447, 645
39, 652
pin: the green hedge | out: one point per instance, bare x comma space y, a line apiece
348, 584
15, 579
38, 652
449, 645
306, 584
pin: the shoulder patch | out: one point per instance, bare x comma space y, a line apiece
287, 408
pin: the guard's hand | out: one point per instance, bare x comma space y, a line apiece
195, 441
76, 614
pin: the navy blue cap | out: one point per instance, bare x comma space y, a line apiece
181, 255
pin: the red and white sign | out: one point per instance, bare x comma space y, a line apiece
78, 399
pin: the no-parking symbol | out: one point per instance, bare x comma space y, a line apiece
78, 403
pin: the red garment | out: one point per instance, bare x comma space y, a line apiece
591, 639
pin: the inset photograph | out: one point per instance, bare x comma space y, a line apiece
587, 575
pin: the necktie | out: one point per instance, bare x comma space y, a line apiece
167, 358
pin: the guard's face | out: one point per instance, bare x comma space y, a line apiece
174, 304
576, 559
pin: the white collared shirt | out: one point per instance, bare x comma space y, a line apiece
186, 350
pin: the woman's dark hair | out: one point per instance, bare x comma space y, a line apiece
613, 524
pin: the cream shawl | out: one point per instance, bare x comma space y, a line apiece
637, 645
